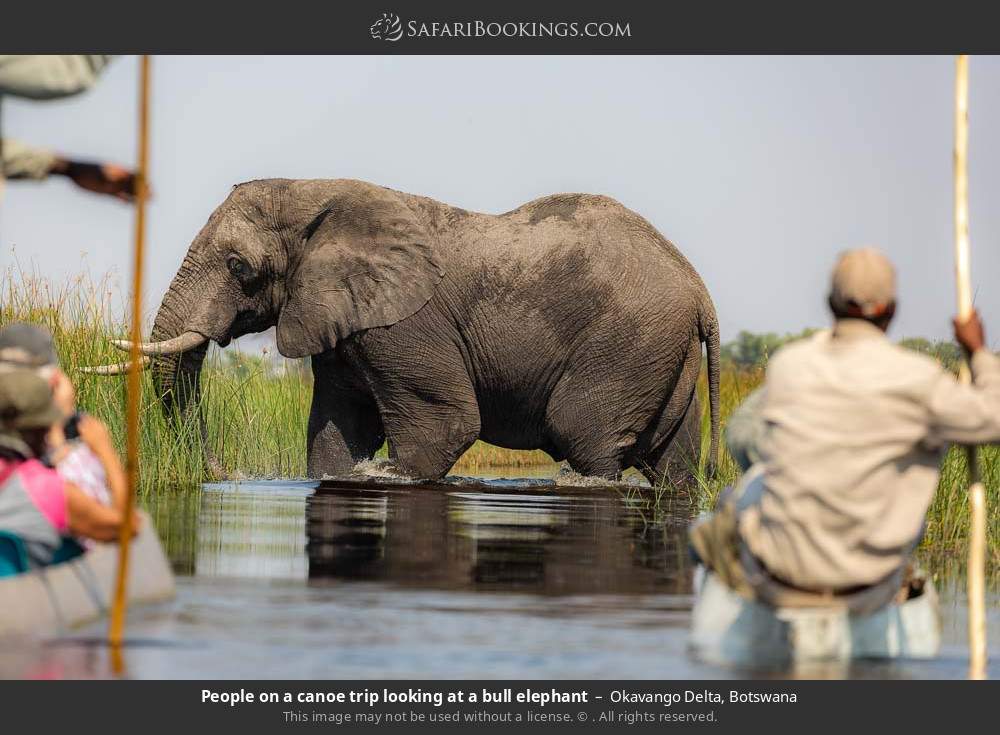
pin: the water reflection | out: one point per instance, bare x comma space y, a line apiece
250, 530
493, 536
251, 534
489, 538
347, 534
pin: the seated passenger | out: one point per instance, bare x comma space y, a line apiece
80, 446
846, 435
36, 504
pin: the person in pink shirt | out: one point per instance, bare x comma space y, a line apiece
80, 446
36, 503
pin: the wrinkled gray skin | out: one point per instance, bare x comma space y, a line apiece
569, 324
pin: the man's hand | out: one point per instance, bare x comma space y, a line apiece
102, 178
969, 333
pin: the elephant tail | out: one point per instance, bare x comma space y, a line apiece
710, 334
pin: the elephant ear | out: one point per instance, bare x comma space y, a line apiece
366, 261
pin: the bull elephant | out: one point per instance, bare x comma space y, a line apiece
568, 324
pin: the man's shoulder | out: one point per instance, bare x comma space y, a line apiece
912, 361
882, 352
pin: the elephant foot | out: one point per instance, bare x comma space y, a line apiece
379, 468
568, 476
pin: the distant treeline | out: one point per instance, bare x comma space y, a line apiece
267, 363
750, 350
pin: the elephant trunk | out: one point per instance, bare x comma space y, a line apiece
177, 375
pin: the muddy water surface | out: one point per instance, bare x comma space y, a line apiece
467, 578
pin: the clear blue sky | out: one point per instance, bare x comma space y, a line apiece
760, 169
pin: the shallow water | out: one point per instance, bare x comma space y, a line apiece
487, 578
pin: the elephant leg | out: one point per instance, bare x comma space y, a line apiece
607, 464
426, 437
677, 460
607, 420
429, 410
344, 424
594, 448
672, 452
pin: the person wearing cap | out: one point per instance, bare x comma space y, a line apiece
80, 446
36, 504
845, 436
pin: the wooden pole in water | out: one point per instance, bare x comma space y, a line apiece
117, 628
976, 571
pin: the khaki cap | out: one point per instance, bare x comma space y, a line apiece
864, 280
26, 346
26, 402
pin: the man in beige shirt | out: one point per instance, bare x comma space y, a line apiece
847, 434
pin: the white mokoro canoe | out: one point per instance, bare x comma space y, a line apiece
51, 600
730, 630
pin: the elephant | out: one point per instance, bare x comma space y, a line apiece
569, 324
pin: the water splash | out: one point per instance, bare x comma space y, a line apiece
379, 468
567, 477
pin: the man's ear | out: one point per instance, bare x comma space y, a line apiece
883, 320
366, 261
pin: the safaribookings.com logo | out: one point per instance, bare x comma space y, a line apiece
390, 28
387, 28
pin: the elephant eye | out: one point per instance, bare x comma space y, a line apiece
237, 267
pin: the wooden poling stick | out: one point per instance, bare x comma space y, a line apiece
976, 571
117, 628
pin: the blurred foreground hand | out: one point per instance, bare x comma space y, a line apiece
970, 333
102, 178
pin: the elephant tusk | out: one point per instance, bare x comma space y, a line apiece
118, 368
181, 343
